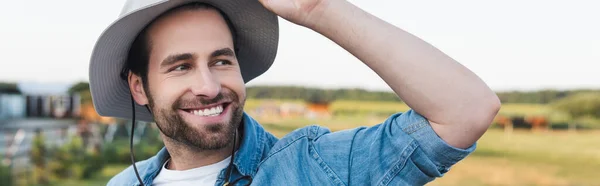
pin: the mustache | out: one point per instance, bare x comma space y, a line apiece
200, 101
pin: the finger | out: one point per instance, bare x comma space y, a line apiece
266, 4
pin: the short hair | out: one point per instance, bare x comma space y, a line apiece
139, 53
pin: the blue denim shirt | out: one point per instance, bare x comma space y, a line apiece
403, 150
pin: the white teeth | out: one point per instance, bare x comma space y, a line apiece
214, 111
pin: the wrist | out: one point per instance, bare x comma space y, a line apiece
321, 12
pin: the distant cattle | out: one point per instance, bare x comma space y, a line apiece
537, 122
530, 122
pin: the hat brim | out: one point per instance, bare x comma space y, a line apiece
257, 35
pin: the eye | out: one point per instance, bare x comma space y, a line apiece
180, 68
222, 62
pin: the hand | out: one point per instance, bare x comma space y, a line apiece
301, 12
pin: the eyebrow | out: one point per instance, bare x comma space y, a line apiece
174, 58
222, 52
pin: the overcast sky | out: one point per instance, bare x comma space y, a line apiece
510, 44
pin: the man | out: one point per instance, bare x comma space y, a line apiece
185, 65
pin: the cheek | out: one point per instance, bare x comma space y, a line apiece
235, 82
166, 92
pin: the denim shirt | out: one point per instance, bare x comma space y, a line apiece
403, 150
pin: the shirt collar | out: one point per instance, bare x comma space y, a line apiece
251, 148
154, 166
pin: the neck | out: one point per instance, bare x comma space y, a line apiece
184, 157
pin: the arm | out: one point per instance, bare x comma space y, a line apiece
457, 103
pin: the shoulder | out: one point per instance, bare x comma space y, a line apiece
408, 122
310, 132
315, 135
127, 176
147, 169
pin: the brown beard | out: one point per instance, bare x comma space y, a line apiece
213, 136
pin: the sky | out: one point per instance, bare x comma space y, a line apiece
510, 44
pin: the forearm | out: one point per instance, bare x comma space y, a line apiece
428, 81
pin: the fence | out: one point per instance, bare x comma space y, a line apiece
16, 138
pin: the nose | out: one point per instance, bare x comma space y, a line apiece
205, 84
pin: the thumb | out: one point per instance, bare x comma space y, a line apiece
266, 4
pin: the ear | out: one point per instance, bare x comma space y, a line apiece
136, 87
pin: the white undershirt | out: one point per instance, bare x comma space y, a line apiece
205, 175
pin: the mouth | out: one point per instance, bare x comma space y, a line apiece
208, 111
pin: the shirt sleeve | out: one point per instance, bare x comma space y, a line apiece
435, 148
403, 150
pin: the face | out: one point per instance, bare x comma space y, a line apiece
195, 88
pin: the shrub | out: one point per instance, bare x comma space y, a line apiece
38, 155
5, 175
117, 152
74, 161
93, 162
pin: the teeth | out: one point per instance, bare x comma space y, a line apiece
214, 111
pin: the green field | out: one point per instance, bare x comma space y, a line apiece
100, 179
373, 106
107, 173
358, 110
521, 158
526, 158
517, 158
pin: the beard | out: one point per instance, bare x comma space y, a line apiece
210, 136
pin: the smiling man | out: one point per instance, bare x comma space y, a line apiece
183, 64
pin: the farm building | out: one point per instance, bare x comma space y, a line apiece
22, 102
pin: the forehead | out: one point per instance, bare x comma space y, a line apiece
189, 30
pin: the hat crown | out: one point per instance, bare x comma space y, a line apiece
133, 5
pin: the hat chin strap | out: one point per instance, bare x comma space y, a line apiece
131, 141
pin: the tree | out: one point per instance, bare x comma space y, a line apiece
580, 105
9, 88
79, 87
307, 93
83, 89
319, 98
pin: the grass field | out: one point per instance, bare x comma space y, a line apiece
100, 179
359, 109
516, 158
374, 106
520, 158
526, 158
108, 172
